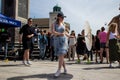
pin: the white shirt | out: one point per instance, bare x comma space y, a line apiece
72, 41
112, 35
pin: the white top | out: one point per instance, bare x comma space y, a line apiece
72, 41
112, 35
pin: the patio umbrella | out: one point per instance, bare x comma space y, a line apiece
9, 22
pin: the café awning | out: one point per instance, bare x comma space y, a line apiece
9, 22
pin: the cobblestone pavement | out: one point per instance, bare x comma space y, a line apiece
44, 70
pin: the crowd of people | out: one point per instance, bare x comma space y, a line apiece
58, 44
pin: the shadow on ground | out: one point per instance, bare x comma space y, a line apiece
11, 65
99, 68
43, 76
82, 63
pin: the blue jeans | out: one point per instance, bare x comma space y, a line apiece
42, 50
5, 45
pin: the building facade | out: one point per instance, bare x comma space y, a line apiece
19, 10
41, 23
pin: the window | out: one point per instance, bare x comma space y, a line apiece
23, 8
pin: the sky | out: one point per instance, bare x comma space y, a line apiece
96, 12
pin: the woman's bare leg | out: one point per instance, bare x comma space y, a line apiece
101, 55
107, 55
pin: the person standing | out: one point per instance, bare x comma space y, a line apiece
103, 39
72, 46
52, 52
5, 39
43, 42
60, 42
113, 42
26, 40
48, 48
78, 46
81, 47
97, 45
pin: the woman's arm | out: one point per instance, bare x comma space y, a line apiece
108, 34
117, 36
55, 32
31, 35
20, 35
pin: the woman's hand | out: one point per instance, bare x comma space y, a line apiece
107, 43
29, 36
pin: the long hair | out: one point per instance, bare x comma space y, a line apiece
58, 21
97, 32
112, 27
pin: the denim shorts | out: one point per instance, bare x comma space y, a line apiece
102, 45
